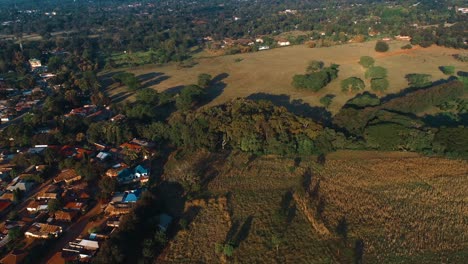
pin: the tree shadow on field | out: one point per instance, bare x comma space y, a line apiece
120, 97
410, 90
296, 106
216, 87
175, 89
152, 78
239, 233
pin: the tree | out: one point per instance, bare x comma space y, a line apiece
17, 195
447, 70
204, 80
327, 100
315, 66
352, 84
148, 96
418, 80
379, 85
15, 233
376, 72
381, 46
365, 99
107, 185
189, 96
54, 205
367, 61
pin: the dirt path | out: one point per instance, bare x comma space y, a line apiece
71, 233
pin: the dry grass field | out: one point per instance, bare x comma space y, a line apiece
271, 71
406, 208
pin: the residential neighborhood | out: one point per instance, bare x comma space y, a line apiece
60, 204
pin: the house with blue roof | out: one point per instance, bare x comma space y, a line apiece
132, 196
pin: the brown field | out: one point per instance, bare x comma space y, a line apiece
406, 208
271, 71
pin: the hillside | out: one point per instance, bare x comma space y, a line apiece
402, 207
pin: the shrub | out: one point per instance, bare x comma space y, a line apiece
407, 46
381, 46
376, 72
327, 100
418, 80
379, 85
352, 84
315, 66
367, 61
363, 100
447, 70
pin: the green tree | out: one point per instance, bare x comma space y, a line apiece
352, 84
204, 80
448, 70
107, 185
376, 72
381, 46
315, 66
54, 205
15, 233
18, 195
148, 96
366, 61
327, 100
379, 85
418, 80
189, 96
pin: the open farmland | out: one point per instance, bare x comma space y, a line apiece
270, 72
406, 209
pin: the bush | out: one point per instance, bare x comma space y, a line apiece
418, 80
447, 70
376, 72
379, 85
367, 61
407, 46
363, 100
352, 84
315, 66
381, 46
316, 80
327, 100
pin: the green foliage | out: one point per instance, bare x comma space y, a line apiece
15, 233
148, 96
364, 99
327, 100
379, 85
107, 185
448, 70
392, 136
204, 80
452, 141
352, 84
189, 96
407, 46
257, 127
315, 81
315, 66
366, 61
418, 80
376, 72
54, 205
129, 79
381, 46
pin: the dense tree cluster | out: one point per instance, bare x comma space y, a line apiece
316, 78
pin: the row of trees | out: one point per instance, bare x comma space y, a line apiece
317, 76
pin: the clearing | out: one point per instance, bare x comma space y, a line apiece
268, 74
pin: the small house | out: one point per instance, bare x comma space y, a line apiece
41, 230
68, 176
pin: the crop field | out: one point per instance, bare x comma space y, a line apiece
266, 73
406, 209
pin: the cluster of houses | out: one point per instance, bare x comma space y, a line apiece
259, 43
52, 207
